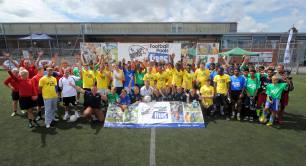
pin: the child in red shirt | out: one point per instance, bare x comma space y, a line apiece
13, 85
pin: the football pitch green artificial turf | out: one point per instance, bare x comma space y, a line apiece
220, 143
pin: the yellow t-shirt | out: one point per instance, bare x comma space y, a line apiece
188, 78
202, 75
161, 79
48, 87
169, 73
222, 83
88, 78
207, 91
154, 71
102, 79
177, 78
150, 77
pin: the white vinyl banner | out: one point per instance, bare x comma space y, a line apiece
287, 51
264, 57
156, 115
150, 51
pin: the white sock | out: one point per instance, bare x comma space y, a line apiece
66, 113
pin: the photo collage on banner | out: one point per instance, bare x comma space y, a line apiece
91, 51
207, 51
150, 51
188, 52
156, 114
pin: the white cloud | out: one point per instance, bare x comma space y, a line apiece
28, 11
252, 16
248, 24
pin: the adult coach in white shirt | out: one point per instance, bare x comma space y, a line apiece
69, 93
146, 90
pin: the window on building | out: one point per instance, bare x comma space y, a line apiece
177, 27
259, 41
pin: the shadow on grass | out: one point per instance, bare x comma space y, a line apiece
43, 134
64, 125
293, 122
97, 126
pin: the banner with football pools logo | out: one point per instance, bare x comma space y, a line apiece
156, 115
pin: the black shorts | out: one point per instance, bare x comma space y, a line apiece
26, 103
69, 100
86, 100
15, 96
235, 95
93, 105
39, 101
220, 99
250, 103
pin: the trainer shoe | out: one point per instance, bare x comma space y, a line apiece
36, 124
264, 120
30, 125
66, 116
38, 118
56, 119
76, 113
23, 111
48, 126
251, 119
233, 117
13, 114
269, 124
246, 118
238, 118
261, 118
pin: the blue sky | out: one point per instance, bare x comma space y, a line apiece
252, 16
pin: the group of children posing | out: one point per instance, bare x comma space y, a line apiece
232, 91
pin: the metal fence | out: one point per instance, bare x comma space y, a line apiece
298, 51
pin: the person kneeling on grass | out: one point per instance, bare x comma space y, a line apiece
207, 95
274, 92
124, 100
96, 103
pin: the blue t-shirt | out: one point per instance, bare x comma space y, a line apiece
237, 83
134, 97
213, 74
125, 100
207, 65
128, 74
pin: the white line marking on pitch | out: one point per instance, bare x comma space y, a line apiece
152, 147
